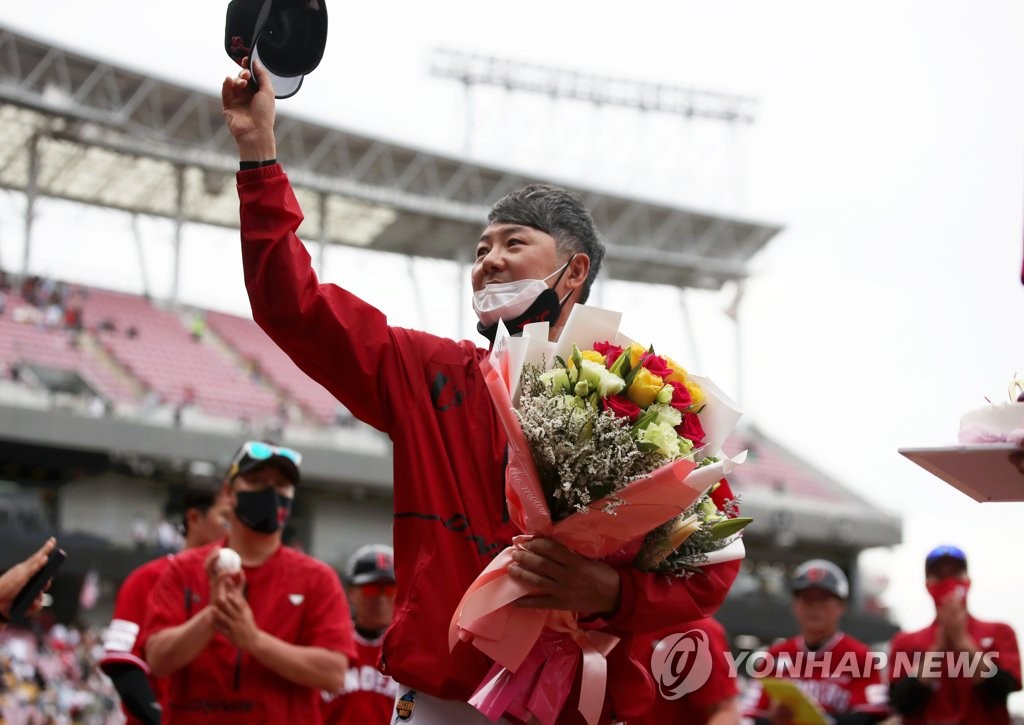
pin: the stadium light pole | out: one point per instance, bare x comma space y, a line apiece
564, 84
31, 194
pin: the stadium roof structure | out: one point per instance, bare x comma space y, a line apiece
85, 130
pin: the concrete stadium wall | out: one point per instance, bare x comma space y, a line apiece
340, 525
108, 505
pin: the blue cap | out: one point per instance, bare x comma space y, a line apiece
944, 552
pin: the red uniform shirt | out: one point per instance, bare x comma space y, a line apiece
121, 641
841, 676
294, 597
695, 707
368, 697
957, 699
449, 448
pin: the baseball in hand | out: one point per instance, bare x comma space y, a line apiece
228, 561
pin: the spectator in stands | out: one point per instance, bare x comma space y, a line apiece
198, 328
714, 702
17, 576
428, 394
922, 692
368, 696
205, 516
255, 645
834, 670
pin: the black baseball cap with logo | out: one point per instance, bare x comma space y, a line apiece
370, 564
286, 37
821, 574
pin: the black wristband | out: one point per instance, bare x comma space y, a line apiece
247, 165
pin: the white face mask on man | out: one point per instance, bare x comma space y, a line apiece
508, 300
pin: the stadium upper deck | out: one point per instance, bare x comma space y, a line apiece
81, 129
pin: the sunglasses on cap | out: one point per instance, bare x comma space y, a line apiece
260, 451
377, 589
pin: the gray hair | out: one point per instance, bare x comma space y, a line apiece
559, 213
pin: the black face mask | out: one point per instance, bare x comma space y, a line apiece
264, 511
546, 308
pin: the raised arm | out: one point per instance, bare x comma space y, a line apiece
249, 115
333, 336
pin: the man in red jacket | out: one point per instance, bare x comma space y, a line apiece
833, 669
206, 517
251, 635
536, 258
368, 697
958, 669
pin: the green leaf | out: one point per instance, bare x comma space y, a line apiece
577, 357
725, 529
645, 420
621, 365
560, 362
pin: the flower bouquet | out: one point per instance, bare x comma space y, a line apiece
607, 456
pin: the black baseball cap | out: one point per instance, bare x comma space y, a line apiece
256, 454
371, 563
286, 37
944, 553
820, 574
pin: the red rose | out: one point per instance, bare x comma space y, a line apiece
691, 429
611, 352
622, 407
657, 365
681, 399
722, 495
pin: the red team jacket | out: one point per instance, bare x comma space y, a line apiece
427, 394
368, 697
693, 708
293, 597
121, 641
846, 678
957, 699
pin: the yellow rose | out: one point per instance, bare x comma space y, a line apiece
645, 387
593, 356
696, 394
678, 371
635, 353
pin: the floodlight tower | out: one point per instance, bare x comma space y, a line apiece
569, 87
573, 85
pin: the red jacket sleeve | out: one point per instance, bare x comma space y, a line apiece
322, 327
166, 607
122, 640
1005, 643
655, 602
329, 623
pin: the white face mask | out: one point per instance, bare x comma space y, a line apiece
508, 300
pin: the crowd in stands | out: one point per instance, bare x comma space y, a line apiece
141, 357
50, 676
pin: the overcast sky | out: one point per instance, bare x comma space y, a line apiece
889, 141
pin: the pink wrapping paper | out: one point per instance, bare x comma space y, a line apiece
487, 618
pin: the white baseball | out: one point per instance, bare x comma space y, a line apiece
228, 561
